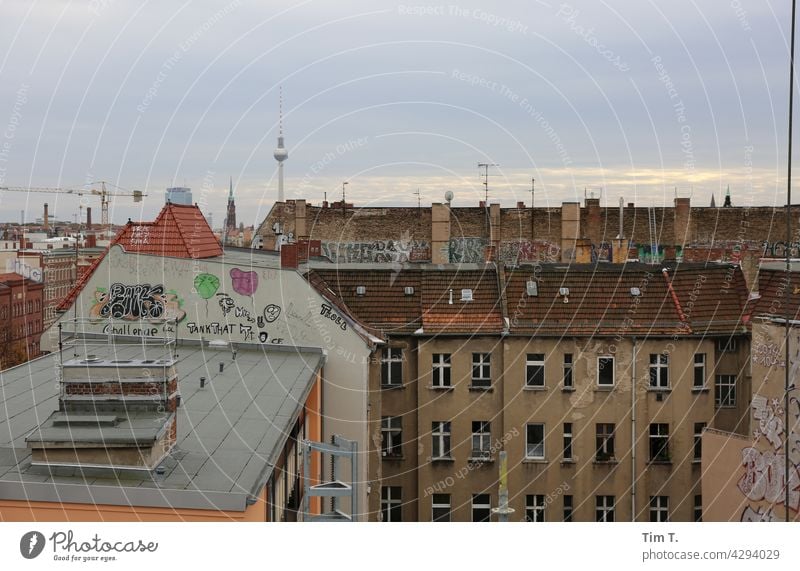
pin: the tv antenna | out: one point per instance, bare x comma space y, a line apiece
485, 175
419, 199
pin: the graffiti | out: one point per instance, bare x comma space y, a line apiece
271, 312
326, 311
244, 283
602, 253
140, 235
778, 250
213, 328
467, 250
515, 252
768, 355
759, 514
764, 478
769, 415
206, 285
378, 251
246, 331
141, 301
133, 331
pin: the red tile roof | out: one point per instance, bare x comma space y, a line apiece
772, 286
179, 231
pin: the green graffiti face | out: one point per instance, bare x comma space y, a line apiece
206, 285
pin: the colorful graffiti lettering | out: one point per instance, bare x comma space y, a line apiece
764, 477
244, 283
140, 301
378, 251
769, 415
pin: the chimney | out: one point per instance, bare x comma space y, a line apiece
440, 233
300, 231
570, 229
46, 219
682, 218
88, 217
583, 251
594, 225
289, 256
494, 233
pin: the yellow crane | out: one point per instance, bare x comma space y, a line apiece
101, 192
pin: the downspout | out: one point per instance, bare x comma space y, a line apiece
633, 433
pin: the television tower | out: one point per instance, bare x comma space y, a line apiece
280, 154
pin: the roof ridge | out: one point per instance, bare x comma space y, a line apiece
674, 296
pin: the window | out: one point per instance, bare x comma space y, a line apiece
725, 391
659, 508
392, 436
441, 507
441, 439
481, 370
698, 508
699, 427
441, 370
534, 507
726, 345
604, 442
567, 441
391, 503
568, 507
659, 371
604, 508
568, 371
605, 371
699, 371
481, 507
481, 438
659, 442
534, 435
534, 370
392, 367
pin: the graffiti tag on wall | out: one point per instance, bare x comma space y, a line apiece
378, 251
139, 301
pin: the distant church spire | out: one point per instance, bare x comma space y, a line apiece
230, 218
727, 198
713, 202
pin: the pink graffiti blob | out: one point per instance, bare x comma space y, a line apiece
245, 283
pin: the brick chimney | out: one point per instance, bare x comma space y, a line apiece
570, 229
88, 217
440, 233
594, 223
300, 231
290, 256
683, 212
46, 219
494, 233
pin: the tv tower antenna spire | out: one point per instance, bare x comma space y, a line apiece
280, 154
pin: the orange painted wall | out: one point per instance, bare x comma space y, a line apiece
13, 510
314, 418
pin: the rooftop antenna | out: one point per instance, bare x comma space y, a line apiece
419, 199
485, 167
280, 153
533, 192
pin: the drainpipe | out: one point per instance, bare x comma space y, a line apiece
633, 433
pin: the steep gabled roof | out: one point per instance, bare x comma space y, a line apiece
179, 231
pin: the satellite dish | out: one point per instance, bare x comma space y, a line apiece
448, 196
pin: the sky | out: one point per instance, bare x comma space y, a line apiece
635, 99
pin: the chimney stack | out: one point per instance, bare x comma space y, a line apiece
570, 229
682, 218
88, 217
46, 219
440, 233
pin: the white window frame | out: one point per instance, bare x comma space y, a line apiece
730, 385
659, 509
441, 504
604, 508
391, 356
440, 433
441, 373
391, 436
697, 444
701, 366
602, 453
569, 442
532, 360
613, 370
659, 436
528, 454
659, 371
568, 371
482, 437
482, 506
389, 503
535, 507
482, 365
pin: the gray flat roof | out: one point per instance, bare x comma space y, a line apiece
230, 433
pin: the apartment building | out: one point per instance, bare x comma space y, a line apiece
598, 380
20, 319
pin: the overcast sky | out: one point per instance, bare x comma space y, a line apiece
627, 98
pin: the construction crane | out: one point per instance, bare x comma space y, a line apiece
102, 193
